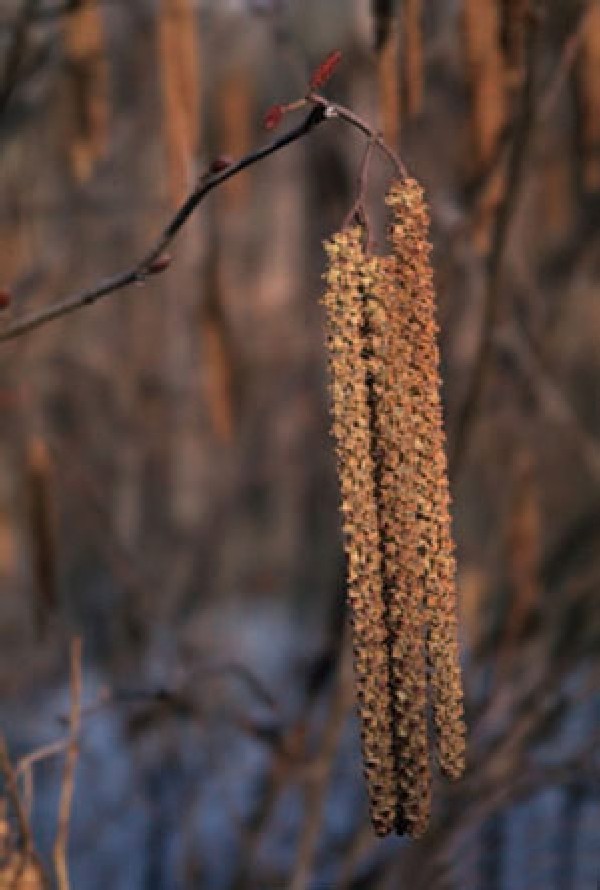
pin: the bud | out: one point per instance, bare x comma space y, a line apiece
160, 264
220, 163
273, 117
325, 70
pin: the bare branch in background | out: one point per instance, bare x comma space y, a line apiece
68, 780
155, 261
12, 790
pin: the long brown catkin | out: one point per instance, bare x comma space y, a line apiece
426, 470
352, 431
387, 422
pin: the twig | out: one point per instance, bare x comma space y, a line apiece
332, 109
25, 764
156, 260
153, 261
12, 790
66, 794
358, 211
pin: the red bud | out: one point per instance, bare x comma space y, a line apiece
322, 74
5, 298
273, 117
160, 264
220, 163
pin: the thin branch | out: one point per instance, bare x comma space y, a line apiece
332, 109
358, 210
152, 262
25, 764
12, 791
68, 781
51, 750
156, 260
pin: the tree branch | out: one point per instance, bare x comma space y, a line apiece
12, 792
68, 782
155, 260
152, 263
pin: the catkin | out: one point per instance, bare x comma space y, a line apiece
427, 470
487, 87
398, 499
412, 55
235, 113
481, 32
19, 869
352, 431
388, 83
179, 61
387, 422
588, 81
87, 87
219, 364
8, 547
514, 31
42, 522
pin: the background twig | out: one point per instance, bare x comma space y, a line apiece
68, 780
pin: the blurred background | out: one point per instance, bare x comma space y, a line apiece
167, 483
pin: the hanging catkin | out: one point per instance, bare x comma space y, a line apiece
487, 86
42, 526
514, 31
179, 62
387, 46
412, 55
353, 434
219, 354
86, 87
8, 547
426, 468
481, 31
235, 113
387, 423
588, 80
